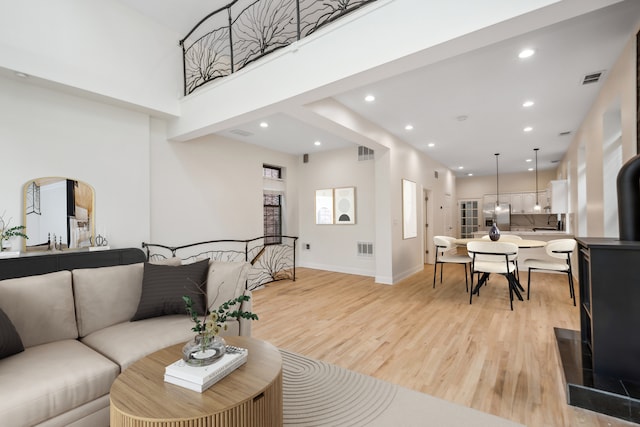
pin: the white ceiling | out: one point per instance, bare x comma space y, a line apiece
485, 87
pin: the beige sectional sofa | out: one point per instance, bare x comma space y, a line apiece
76, 330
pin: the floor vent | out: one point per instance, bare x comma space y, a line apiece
592, 77
240, 132
364, 153
365, 249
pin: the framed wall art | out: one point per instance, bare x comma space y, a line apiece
345, 205
409, 208
324, 206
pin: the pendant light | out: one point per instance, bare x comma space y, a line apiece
537, 207
494, 232
497, 187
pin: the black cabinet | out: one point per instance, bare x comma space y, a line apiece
33, 263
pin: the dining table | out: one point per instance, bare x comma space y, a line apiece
521, 243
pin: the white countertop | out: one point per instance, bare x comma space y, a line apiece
533, 233
542, 234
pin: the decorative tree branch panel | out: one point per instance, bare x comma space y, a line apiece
270, 262
232, 37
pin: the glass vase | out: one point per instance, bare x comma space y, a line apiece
494, 232
203, 350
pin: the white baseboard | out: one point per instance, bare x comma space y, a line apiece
385, 280
338, 269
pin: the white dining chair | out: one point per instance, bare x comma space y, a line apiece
494, 257
507, 238
559, 249
446, 254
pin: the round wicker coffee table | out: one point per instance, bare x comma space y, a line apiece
249, 396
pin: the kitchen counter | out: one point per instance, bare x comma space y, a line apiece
545, 235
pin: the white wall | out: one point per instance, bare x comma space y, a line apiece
396, 258
211, 188
409, 163
334, 247
378, 208
618, 91
47, 133
101, 47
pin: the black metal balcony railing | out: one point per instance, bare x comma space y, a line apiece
233, 36
270, 262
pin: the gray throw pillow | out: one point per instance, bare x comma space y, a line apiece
164, 285
10, 342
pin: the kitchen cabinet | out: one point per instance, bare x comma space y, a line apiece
530, 203
558, 191
490, 199
505, 198
521, 203
517, 203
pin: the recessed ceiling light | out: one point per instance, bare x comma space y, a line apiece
526, 53
460, 167
528, 160
469, 174
264, 124
408, 127
431, 144
528, 129
317, 143
369, 98
530, 169
528, 104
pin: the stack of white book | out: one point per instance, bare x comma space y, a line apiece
200, 378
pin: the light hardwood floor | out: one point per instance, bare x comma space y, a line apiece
431, 340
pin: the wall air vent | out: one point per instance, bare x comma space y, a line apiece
240, 132
592, 77
565, 133
364, 153
365, 249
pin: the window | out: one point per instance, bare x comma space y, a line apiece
271, 172
272, 219
611, 164
273, 197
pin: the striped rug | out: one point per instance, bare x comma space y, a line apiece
318, 394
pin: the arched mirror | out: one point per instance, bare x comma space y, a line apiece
59, 210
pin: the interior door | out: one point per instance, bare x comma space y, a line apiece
428, 235
446, 212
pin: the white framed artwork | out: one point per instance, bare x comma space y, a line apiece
409, 210
324, 206
345, 205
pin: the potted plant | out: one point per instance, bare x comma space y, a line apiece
7, 232
208, 346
